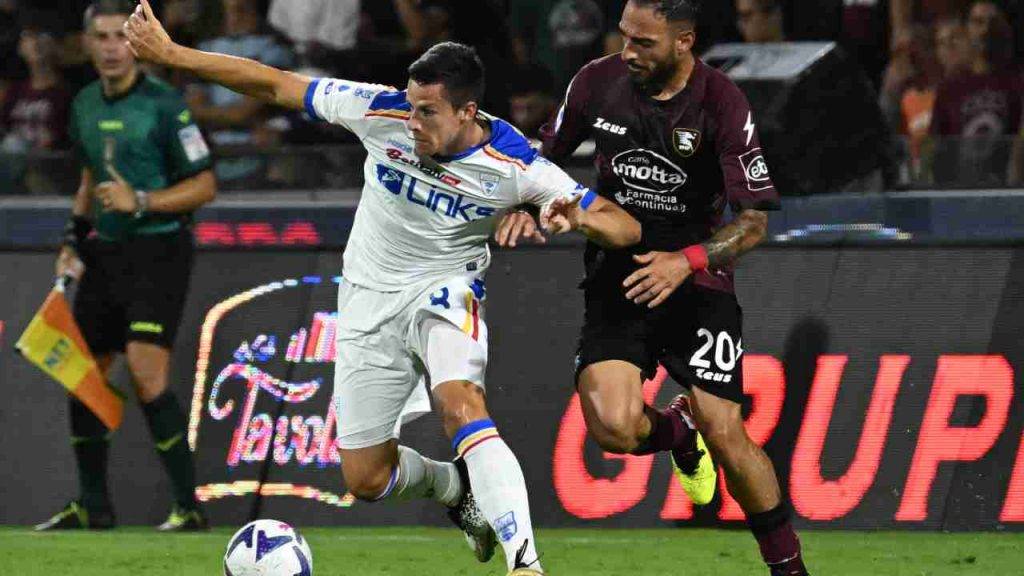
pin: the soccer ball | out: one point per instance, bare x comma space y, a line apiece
268, 548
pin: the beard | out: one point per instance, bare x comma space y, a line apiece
655, 80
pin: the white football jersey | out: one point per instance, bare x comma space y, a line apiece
427, 218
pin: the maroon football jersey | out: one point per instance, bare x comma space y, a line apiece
672, 164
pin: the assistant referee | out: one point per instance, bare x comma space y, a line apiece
146, 168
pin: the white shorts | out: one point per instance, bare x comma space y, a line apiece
390, 344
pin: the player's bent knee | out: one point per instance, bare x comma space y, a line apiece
614, 423
367, 484
368, 471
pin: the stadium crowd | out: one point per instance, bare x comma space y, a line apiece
946, 68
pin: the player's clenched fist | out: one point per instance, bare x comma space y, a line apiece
662, 273
147, 37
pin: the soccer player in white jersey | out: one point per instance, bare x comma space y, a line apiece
437, 175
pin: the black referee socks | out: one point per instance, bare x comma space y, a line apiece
168, 427
91, 443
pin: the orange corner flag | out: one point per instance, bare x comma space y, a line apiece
54, 343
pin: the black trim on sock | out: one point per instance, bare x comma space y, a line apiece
765, 522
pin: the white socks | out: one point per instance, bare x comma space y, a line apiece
420, 477
499, 489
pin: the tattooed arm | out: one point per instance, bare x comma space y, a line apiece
663, 272
736, 238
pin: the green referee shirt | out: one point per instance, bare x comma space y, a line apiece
149, 136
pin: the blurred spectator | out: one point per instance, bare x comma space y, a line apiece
332, 24
234, 119
905, 14
760, 20
919, 63
918, 100
532, 99
428, 22
982, 104
11, 69
563, 35
34, 115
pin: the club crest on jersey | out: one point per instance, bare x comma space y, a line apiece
686, 141
489, 182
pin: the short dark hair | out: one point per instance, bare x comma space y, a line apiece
673, 10
107, 8
455, 66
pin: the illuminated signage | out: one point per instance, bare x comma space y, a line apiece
938, 442
250, 398
221, 233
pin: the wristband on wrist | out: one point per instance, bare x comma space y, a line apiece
76, 230
697, 256
141, 203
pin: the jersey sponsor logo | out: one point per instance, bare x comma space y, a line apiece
400, 145
710, 376
651, 181
602, 124
432, 171
364, 93
193, 144
451, 204
686, 140
648, 171
650, 201
755, 169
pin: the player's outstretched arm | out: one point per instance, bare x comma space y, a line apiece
150, 42
601, 221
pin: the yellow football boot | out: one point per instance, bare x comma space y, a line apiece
694, 470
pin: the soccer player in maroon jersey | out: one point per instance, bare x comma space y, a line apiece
676, 142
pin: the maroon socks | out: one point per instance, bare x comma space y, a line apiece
780, 547
668, 431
